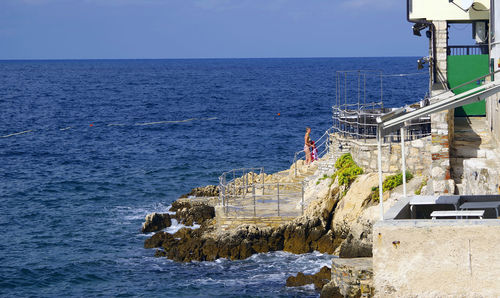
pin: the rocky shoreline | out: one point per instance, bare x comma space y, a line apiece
338, 221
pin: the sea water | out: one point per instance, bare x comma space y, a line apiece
88, 148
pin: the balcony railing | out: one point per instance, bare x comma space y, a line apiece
468, 50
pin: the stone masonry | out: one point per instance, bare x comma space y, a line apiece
418, 156
442, 122
353, 277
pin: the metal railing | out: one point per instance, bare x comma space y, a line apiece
323, 147
250, 196
349, 121
243, 176
480, 49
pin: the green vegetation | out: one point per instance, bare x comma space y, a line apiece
418, 191
347, 170
390, 183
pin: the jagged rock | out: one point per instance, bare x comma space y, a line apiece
189, 214
330, 291
155, 222
205, 191
300, 280
339, 223
319, 279
210, 250
326, 243
160, 253
158, 240
355, 248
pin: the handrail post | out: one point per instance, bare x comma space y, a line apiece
234, 184
263, 185
245, 181
403, 159
278, 193
253, 194
295, 162
302, 203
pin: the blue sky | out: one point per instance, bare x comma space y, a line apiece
94, 29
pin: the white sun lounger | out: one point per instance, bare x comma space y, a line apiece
460, 213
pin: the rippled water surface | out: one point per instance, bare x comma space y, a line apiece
88, 148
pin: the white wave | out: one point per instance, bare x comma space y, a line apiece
175, 121
17, 133
131, 213
163, 122
176, 226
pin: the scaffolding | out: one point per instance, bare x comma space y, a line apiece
359, 101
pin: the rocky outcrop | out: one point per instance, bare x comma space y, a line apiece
336, 221
356, 214
205, 191
319, 279
189, 213
301, 236
156, 222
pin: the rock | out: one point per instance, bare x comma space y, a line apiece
155, 222
210, 250
298, 281
330, 291
295, 239
355, 248
205, 191
189, 214
319, 279
158, 239
160, 253
326, 243
324, 273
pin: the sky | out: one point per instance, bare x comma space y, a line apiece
149, 29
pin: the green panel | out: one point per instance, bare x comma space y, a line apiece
462, 69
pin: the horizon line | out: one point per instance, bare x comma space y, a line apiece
199, 58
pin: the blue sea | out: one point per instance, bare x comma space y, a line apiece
88, 148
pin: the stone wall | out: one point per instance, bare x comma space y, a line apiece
441, 43
353, 277
228, 223
418, 156
436, 258
481, 176
442, 135
442, 122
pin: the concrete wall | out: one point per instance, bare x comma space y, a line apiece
418, 156
493, 114
454, 258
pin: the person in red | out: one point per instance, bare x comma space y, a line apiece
314, 151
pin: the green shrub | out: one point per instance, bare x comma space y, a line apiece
347, 170
390, 183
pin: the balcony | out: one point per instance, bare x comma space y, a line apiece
481, 49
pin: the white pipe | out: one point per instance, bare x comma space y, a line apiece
379, 157
403, 159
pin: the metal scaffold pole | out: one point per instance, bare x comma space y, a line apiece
403, 159
379, 161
